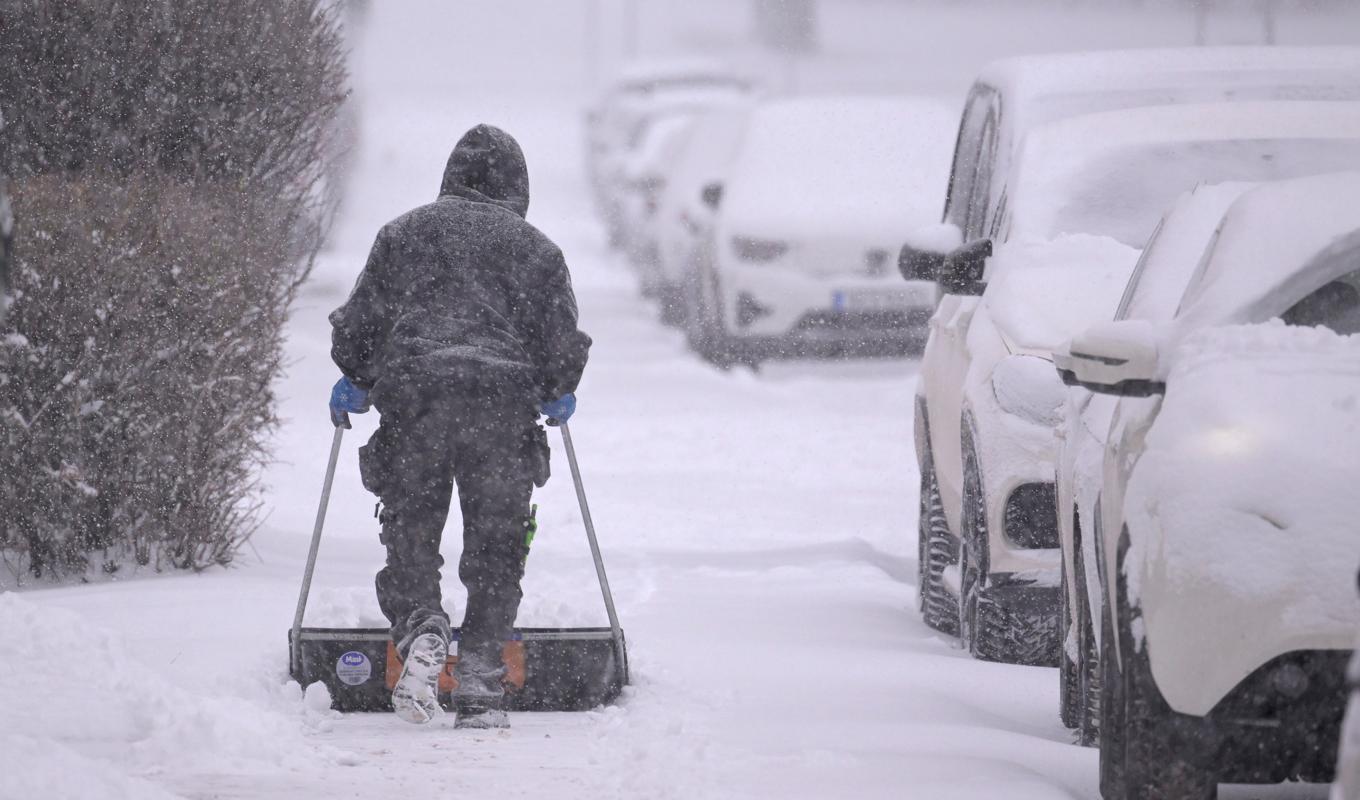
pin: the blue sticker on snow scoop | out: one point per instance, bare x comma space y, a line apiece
353, 668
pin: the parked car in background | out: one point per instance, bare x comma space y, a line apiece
1225, 539
1152, 293
1083, 196
689, 205
1010, 97
819, 195
643, 177
643, 93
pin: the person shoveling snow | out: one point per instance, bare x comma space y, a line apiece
461, 329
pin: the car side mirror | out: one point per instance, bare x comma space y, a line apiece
963, 269
921, 258
1118, 358
917, 264
711, 195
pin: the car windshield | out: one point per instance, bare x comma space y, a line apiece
1122, 193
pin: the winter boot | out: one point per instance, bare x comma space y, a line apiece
480, 696
415, 698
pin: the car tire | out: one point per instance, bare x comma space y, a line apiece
935, 553
705, 329
1111, 715
673, 309
1088, 655
992, 630
1069, 681
1154, 760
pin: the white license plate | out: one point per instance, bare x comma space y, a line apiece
851, 300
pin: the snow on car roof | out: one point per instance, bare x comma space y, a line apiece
1115, 172
1033, 82
1268, 249
856, 165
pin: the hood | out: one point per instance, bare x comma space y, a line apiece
1042, 293
487, 166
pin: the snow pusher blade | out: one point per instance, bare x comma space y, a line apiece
547, 669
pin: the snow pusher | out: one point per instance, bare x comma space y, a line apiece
547, 669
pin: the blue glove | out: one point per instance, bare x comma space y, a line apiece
346, 399
559, 410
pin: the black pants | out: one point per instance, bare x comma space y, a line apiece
495, 452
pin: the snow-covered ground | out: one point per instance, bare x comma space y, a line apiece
759, 530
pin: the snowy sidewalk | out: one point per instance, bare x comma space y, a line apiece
760, 533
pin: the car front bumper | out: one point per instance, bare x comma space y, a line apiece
1259, 733
772, 302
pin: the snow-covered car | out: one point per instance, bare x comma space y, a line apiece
643, 177
820, 194
642, 93
1226, 533
689, 205
1152, 293
1008, 98
1083, 196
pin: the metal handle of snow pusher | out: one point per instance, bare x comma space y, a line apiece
617, 632
295, 648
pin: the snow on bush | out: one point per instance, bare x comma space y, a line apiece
170, 195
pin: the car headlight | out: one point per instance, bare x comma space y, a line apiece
1029, 388
1228, 441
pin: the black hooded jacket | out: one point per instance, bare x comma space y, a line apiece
463, 295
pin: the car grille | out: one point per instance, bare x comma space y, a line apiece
856, 321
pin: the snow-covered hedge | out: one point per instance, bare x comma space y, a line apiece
168, 164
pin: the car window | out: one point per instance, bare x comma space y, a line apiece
966, 150
1335, 305
981, 182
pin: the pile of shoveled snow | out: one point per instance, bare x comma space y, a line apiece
84, 718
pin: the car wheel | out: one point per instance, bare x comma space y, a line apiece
1088, 655
922, 547
1069, 682
977, 633
673, 307
991, 629
936, 551
695, 312
1111, 715
706, 332
1156, 756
